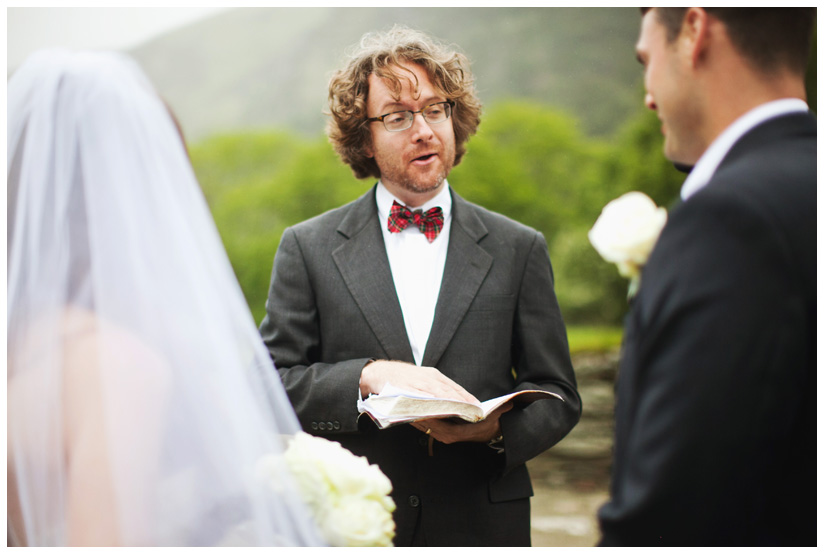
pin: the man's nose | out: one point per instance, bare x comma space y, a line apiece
649, 102
420, 128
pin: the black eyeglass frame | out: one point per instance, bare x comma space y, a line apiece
450, 103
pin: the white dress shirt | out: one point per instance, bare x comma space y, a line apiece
417, 265
706, 166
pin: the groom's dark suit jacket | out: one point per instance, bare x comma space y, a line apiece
332, 307
716, 396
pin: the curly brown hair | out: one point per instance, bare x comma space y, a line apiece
379, 53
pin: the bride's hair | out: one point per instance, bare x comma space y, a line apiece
382, 54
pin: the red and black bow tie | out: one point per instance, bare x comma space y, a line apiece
429, 222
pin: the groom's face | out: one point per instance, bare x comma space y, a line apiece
669, 90
414, 162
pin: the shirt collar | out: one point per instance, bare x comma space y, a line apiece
384, 199
718, 149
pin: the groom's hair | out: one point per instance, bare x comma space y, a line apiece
771, 39
381, 54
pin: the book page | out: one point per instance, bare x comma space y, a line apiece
395, 406
525, 395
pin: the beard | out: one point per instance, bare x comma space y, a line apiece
419, 186
395, 173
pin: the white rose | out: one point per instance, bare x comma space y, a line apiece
358, 522
341, 488
357, 477
626, 232
326, 465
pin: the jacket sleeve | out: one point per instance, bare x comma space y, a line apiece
541, 360
324, 395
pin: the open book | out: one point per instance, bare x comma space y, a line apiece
396, 406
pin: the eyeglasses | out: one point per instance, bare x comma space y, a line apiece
400, 121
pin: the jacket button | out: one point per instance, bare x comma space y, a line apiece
322, 426
314, 425
336, 425
414, 501
329, 426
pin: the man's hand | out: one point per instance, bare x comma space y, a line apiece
447, 431
417, 379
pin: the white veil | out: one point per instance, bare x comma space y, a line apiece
140, 397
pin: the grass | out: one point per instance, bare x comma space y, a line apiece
594, 338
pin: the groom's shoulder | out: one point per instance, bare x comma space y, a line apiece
762, 194
778, 153
779, 173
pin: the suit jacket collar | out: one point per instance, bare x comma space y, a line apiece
771, 131
362, 261
718, 150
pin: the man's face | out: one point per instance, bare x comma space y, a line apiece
415, 162
668, 86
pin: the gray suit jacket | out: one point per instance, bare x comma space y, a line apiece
497, 328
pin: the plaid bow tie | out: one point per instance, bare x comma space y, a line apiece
429, 222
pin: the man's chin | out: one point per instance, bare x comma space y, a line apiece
418, 188
677, 159
424, 186
679, 155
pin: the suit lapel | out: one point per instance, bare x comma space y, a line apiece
363, 263
467, 266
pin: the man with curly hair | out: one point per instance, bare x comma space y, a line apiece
411, 285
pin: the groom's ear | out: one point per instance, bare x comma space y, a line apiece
694, 35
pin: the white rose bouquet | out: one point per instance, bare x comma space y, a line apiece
626, 232
349, 497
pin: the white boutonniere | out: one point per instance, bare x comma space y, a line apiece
349, 498
626, 232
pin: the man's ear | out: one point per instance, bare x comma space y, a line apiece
695, 36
